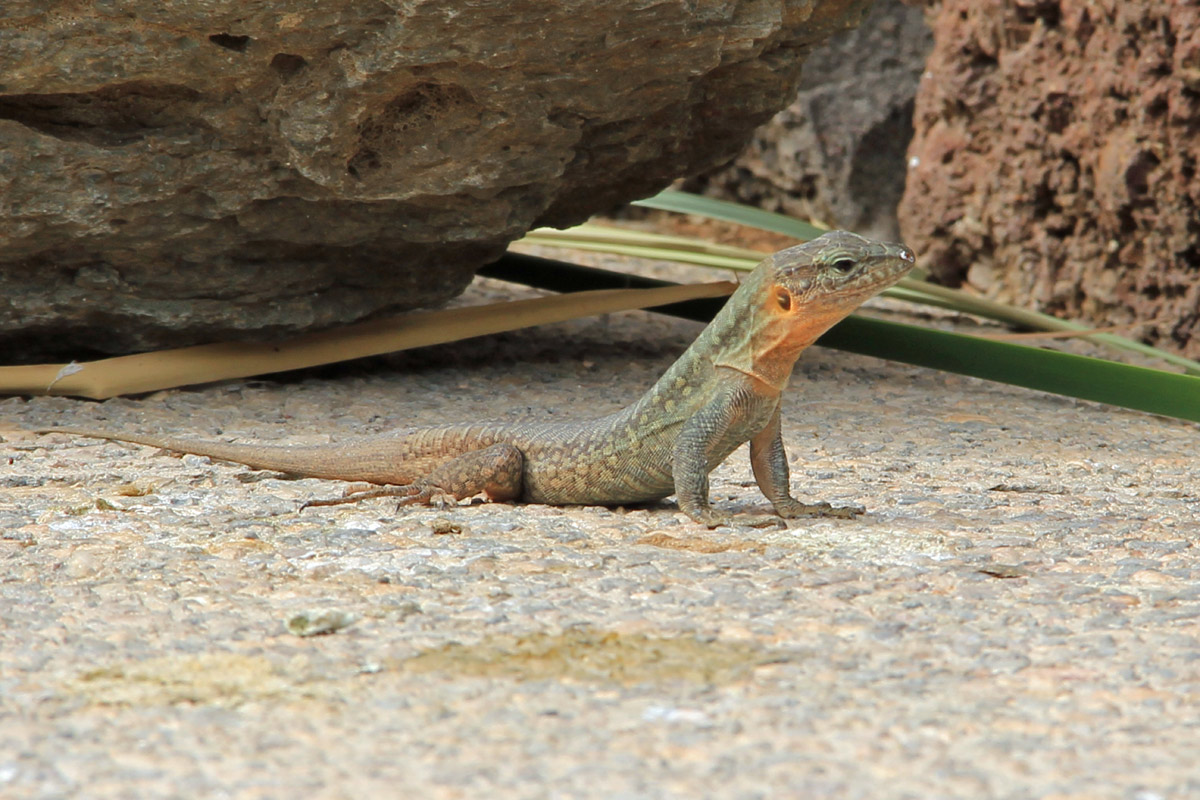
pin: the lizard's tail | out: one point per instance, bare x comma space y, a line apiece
355, 460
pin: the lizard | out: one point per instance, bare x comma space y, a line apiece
722, 392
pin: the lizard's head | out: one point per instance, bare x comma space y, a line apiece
833, 274
799, 293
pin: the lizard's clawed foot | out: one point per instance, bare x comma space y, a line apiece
795, 510
411, 493
758, 521
715, 519
705, 515
712, 519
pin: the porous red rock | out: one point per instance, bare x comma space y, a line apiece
1054, 159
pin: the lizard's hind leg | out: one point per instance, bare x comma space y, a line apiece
494, 470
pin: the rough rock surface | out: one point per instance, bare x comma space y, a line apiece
1054, 160
837, 153
173, 172
1016, 616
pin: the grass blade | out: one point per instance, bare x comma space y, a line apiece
591, 233
687, 203
186, 366
963, 302
1139, 388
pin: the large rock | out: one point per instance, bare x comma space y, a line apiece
171, 172
1055, 156
837, 153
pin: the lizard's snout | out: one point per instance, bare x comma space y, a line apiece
900, 251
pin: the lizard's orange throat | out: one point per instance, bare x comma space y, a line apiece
777, 346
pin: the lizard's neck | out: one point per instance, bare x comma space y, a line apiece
744, 336
747, 336
727, 342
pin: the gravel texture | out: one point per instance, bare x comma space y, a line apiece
1017, 615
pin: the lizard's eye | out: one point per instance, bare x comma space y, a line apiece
844, 266
784, 298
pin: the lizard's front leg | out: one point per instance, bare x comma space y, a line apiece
495, 470
690, 458
768, 459
704, 435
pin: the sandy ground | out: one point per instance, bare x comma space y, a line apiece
1016, 616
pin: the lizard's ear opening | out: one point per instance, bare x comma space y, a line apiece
784, 298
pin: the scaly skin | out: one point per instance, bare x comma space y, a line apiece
723, 391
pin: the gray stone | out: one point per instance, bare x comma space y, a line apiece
837, 153
180, 172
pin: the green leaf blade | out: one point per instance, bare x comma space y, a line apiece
687, 203
1140, 388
